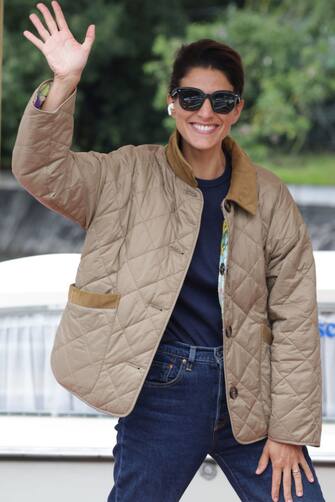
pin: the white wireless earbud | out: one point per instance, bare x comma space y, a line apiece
170, 108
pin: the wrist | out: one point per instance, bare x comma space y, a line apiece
66, 83
59, 90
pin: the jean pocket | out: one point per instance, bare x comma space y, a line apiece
165, 370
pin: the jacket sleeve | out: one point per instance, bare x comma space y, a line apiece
65, 181
296, 381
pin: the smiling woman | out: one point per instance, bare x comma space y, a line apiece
204, 127
193, 317
205, 91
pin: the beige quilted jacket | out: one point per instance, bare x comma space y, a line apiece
141, 209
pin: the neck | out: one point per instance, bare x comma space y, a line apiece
206, 164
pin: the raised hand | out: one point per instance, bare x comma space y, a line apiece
65, 56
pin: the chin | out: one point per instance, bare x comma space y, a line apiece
202, 143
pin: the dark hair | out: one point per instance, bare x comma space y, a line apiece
207, 53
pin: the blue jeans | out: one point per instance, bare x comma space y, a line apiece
181, 416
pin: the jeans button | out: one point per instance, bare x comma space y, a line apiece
233, 392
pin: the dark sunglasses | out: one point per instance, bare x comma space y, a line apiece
191, 98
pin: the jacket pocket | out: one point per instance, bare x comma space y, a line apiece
83, 338
265, 368
92, 299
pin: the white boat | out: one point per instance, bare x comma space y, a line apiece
55, 447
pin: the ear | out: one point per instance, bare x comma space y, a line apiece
237, 111
169, 99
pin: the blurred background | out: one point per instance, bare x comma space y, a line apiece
287, 125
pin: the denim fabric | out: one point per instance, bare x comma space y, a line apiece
181, 416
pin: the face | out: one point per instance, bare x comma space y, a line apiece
189, 123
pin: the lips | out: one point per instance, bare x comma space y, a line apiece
203, 128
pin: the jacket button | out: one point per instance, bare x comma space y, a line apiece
222, 268
227, 205
228, 331
233, 392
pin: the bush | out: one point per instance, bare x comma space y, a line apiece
289, 66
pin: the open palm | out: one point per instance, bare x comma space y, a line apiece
65, 56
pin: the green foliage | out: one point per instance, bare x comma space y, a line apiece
114, 99
289, 66
287, 49
310, 169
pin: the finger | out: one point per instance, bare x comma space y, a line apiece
276, 479
39, 26
287, 483
36, 41
61, 21
297, 480
306, 468
48, 18
89, 38
263, 461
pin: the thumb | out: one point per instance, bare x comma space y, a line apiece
89, 37
263, 462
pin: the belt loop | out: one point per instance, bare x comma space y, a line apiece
191, 358
219, 353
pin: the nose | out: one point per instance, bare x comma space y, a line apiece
206, 110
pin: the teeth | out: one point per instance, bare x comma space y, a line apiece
205, 128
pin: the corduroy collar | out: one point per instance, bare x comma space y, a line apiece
243, 186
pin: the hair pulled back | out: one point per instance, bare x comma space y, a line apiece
207, 53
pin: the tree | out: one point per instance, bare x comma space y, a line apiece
289, 66
114, 99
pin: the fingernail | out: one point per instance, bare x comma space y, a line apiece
299, 494
257, 470
311, 479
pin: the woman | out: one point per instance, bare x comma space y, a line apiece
187, 247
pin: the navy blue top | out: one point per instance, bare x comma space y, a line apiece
196, 318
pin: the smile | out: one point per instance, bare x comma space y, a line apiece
204, 129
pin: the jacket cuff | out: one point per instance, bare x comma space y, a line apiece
298, 443
39, 96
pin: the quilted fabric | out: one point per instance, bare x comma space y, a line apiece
141, 209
